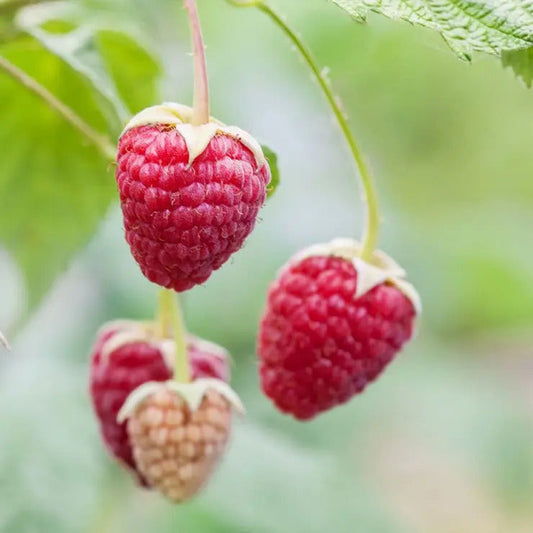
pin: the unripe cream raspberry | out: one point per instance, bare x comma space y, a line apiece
128, 354
179, 432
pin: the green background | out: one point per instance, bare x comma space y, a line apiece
443, 441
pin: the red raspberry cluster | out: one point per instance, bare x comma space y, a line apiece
119, 366
334, 318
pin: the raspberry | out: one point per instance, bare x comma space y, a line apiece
323, 336
128, 354
190, 195
177, 440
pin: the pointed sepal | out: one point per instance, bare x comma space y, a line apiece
192, 393
379, 269
196, 137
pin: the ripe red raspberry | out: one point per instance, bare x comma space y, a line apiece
179, 432
128, 354
331, 325
190, 195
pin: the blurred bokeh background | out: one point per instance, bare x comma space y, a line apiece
443, 442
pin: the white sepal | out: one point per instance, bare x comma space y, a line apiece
209, 347
166, 113
411, 293
192, 392
132, 336
131, 332
168, 348
136, 397
129, 336
368, 276
381, 268
196, 137
119, 324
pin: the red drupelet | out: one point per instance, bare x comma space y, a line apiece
116, 374
183, 221
318, 344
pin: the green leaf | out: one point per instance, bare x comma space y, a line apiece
132, 67
54, 187
108, 50
467, 26
78, 48
521, 61
272, 159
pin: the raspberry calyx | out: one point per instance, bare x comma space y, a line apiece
192, 393
128, 354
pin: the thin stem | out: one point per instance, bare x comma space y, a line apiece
164, 313
372, 216
3, 341
171, 320
100, 141
182, 371
201, 89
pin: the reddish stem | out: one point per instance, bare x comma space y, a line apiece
201, 91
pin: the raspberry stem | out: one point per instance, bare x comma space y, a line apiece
200, 113
100, 141
370, 235
171, 320
164, 313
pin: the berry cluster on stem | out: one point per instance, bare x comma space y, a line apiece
370, 236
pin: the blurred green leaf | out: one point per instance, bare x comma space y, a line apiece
466, 25
8, 11
107, 50
272, 159
508, 301
521, 61
55, 198
133, 69
78, 48
54, 187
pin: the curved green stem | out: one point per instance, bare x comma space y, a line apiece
200, 113
100, 141
164, 313
372, 217
170, 319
